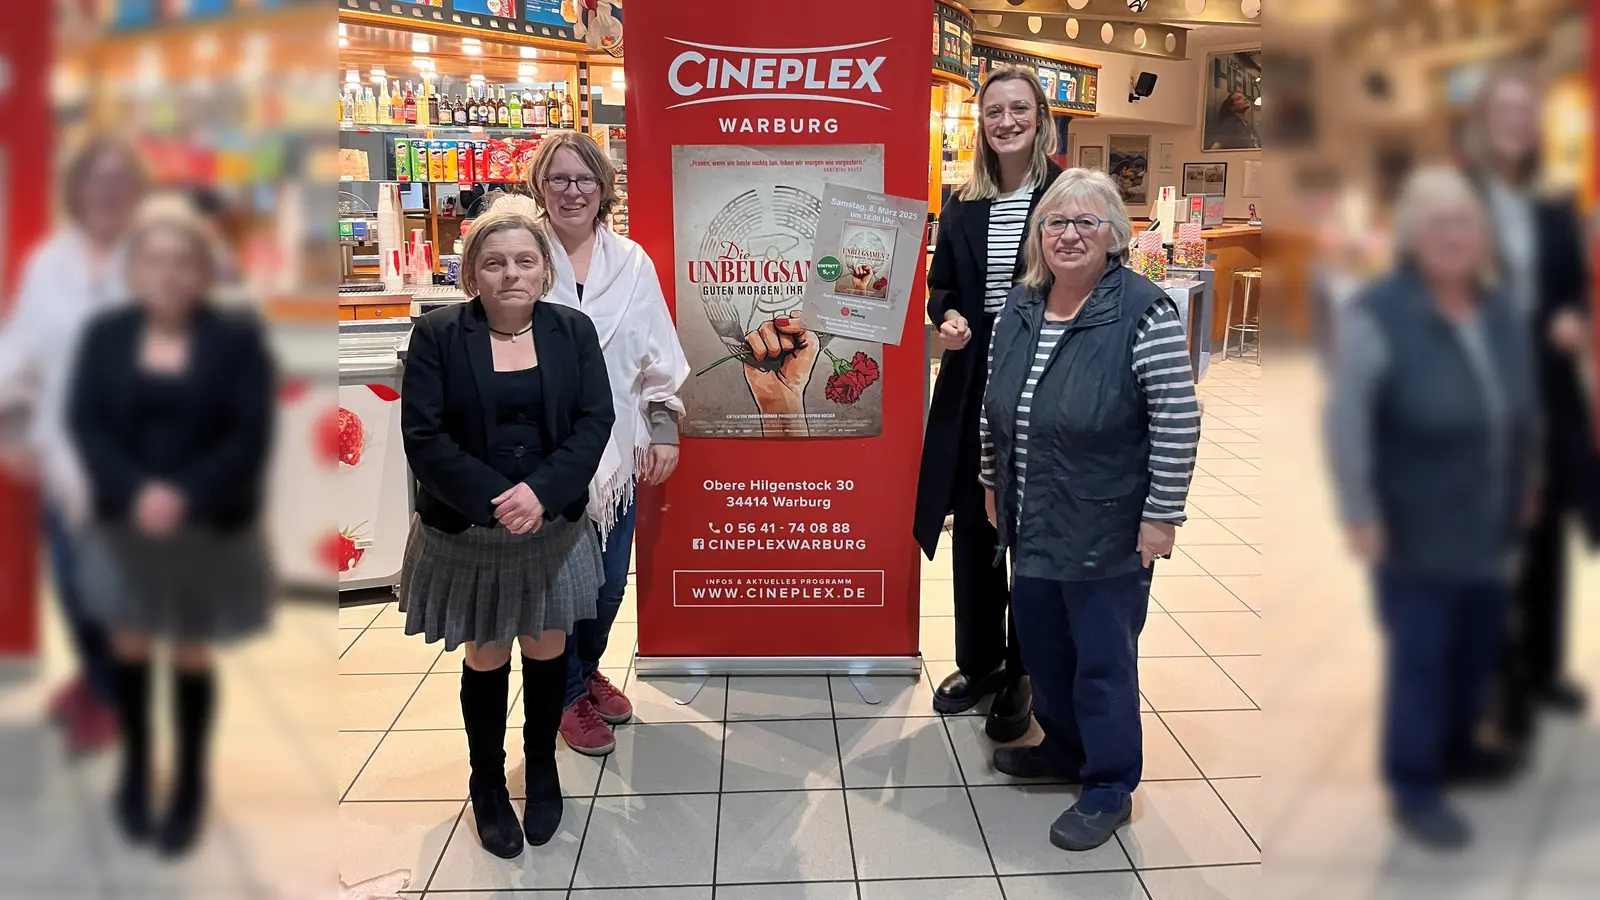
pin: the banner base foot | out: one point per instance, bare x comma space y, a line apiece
869, 694
692, 690
843, 666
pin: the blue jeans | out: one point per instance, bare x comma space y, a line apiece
1080, 642
88, 636
1444, 640
588, 640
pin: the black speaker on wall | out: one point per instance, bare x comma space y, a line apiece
1143, 86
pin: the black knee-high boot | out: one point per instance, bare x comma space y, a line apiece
544, 689
132, 803
484, 699
194, 700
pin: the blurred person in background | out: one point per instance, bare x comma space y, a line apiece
1541, 260
1431, 431
1089, 432
171, 408
506, 412
977, 260
613, 281
72, 275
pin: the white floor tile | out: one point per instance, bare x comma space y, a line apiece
378, 838
1164, 757
891, 752
1224, 633
466, 866
1209, 883
943, 889
355, 748
658, 841
680, 758
898, 695
1085, 886
416, 766
975, 751
916, 833
1162, 637
786, 755
794, 836
373, 702
655, 700
815, 890
1184, 823
779, 698
1243, 797
1188, 683
386, 651
674, 893
1223, 744
1236, 560
1193, 593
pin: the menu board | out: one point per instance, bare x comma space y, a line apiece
1070, 86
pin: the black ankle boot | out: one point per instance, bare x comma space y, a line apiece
544, 690
131, 803
193, 702
484, 698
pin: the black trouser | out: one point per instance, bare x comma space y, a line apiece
984, 638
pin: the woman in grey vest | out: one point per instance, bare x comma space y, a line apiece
1089, 431
1431, 450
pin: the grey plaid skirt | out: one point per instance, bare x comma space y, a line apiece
487, 585
195, 585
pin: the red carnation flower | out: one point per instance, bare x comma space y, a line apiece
851, 379
867, 366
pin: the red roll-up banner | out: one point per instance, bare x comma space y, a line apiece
25, 167
783, 542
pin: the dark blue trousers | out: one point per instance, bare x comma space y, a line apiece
587, 643
88, 636
1080, 641
1444, 642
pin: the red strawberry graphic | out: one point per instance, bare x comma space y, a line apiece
340, 552
351, 437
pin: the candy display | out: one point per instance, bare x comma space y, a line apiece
1188, 248
501, 160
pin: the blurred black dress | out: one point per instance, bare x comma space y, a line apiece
203, 430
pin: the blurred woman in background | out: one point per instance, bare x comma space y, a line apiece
171, 408
613, 281
1431, 432
1089, 433
75, 273
976, 261
1539, 253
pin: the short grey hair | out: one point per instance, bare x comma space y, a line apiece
1089, 188
1425, 190
510, 212
175, 212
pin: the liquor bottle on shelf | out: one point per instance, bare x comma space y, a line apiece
552, 107
516, 109
535, 112
397, 105
433, 109
411, 105
502, 110
383, 103
568, 117
458, 111
367, 114
348, 103
486, 109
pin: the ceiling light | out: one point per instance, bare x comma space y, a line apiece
419, 44
530, 53
525, 79
422, 63
472, 46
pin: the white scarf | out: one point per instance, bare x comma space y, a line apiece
622, 296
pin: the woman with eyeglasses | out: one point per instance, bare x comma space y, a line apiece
613, 281
1089, 430
975, 263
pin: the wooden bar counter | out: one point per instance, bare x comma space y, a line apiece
1231, 247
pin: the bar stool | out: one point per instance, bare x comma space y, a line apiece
1249, 321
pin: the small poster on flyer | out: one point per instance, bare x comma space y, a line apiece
867, 257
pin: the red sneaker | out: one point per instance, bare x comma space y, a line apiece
68, 700
609, 702
93, 729
584, 730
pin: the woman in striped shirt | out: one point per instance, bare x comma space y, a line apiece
974, 266
1089, 430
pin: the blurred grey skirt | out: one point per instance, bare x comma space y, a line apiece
487, 585
194, 585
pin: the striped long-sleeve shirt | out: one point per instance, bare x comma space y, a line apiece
1008, 219
1161, 365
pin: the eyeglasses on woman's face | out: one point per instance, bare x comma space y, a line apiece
1020, 112
1056, 224
587, 184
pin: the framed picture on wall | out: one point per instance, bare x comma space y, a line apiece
1092, 157
1205, 178
1164, 156
1232, 101
1129, 166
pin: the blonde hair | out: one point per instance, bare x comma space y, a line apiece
508, 213
174, 212
593, 158
1425, 190
985, 181
82, 158
1474, 133
1090, 188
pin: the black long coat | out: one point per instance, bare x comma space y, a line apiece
956, 282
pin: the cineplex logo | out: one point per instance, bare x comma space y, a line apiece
711, 73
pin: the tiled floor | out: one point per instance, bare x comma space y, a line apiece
795, 789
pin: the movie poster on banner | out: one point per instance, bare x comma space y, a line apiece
867, 257
746, 219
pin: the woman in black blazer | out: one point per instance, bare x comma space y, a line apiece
975, 264
505, 409
171, 411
